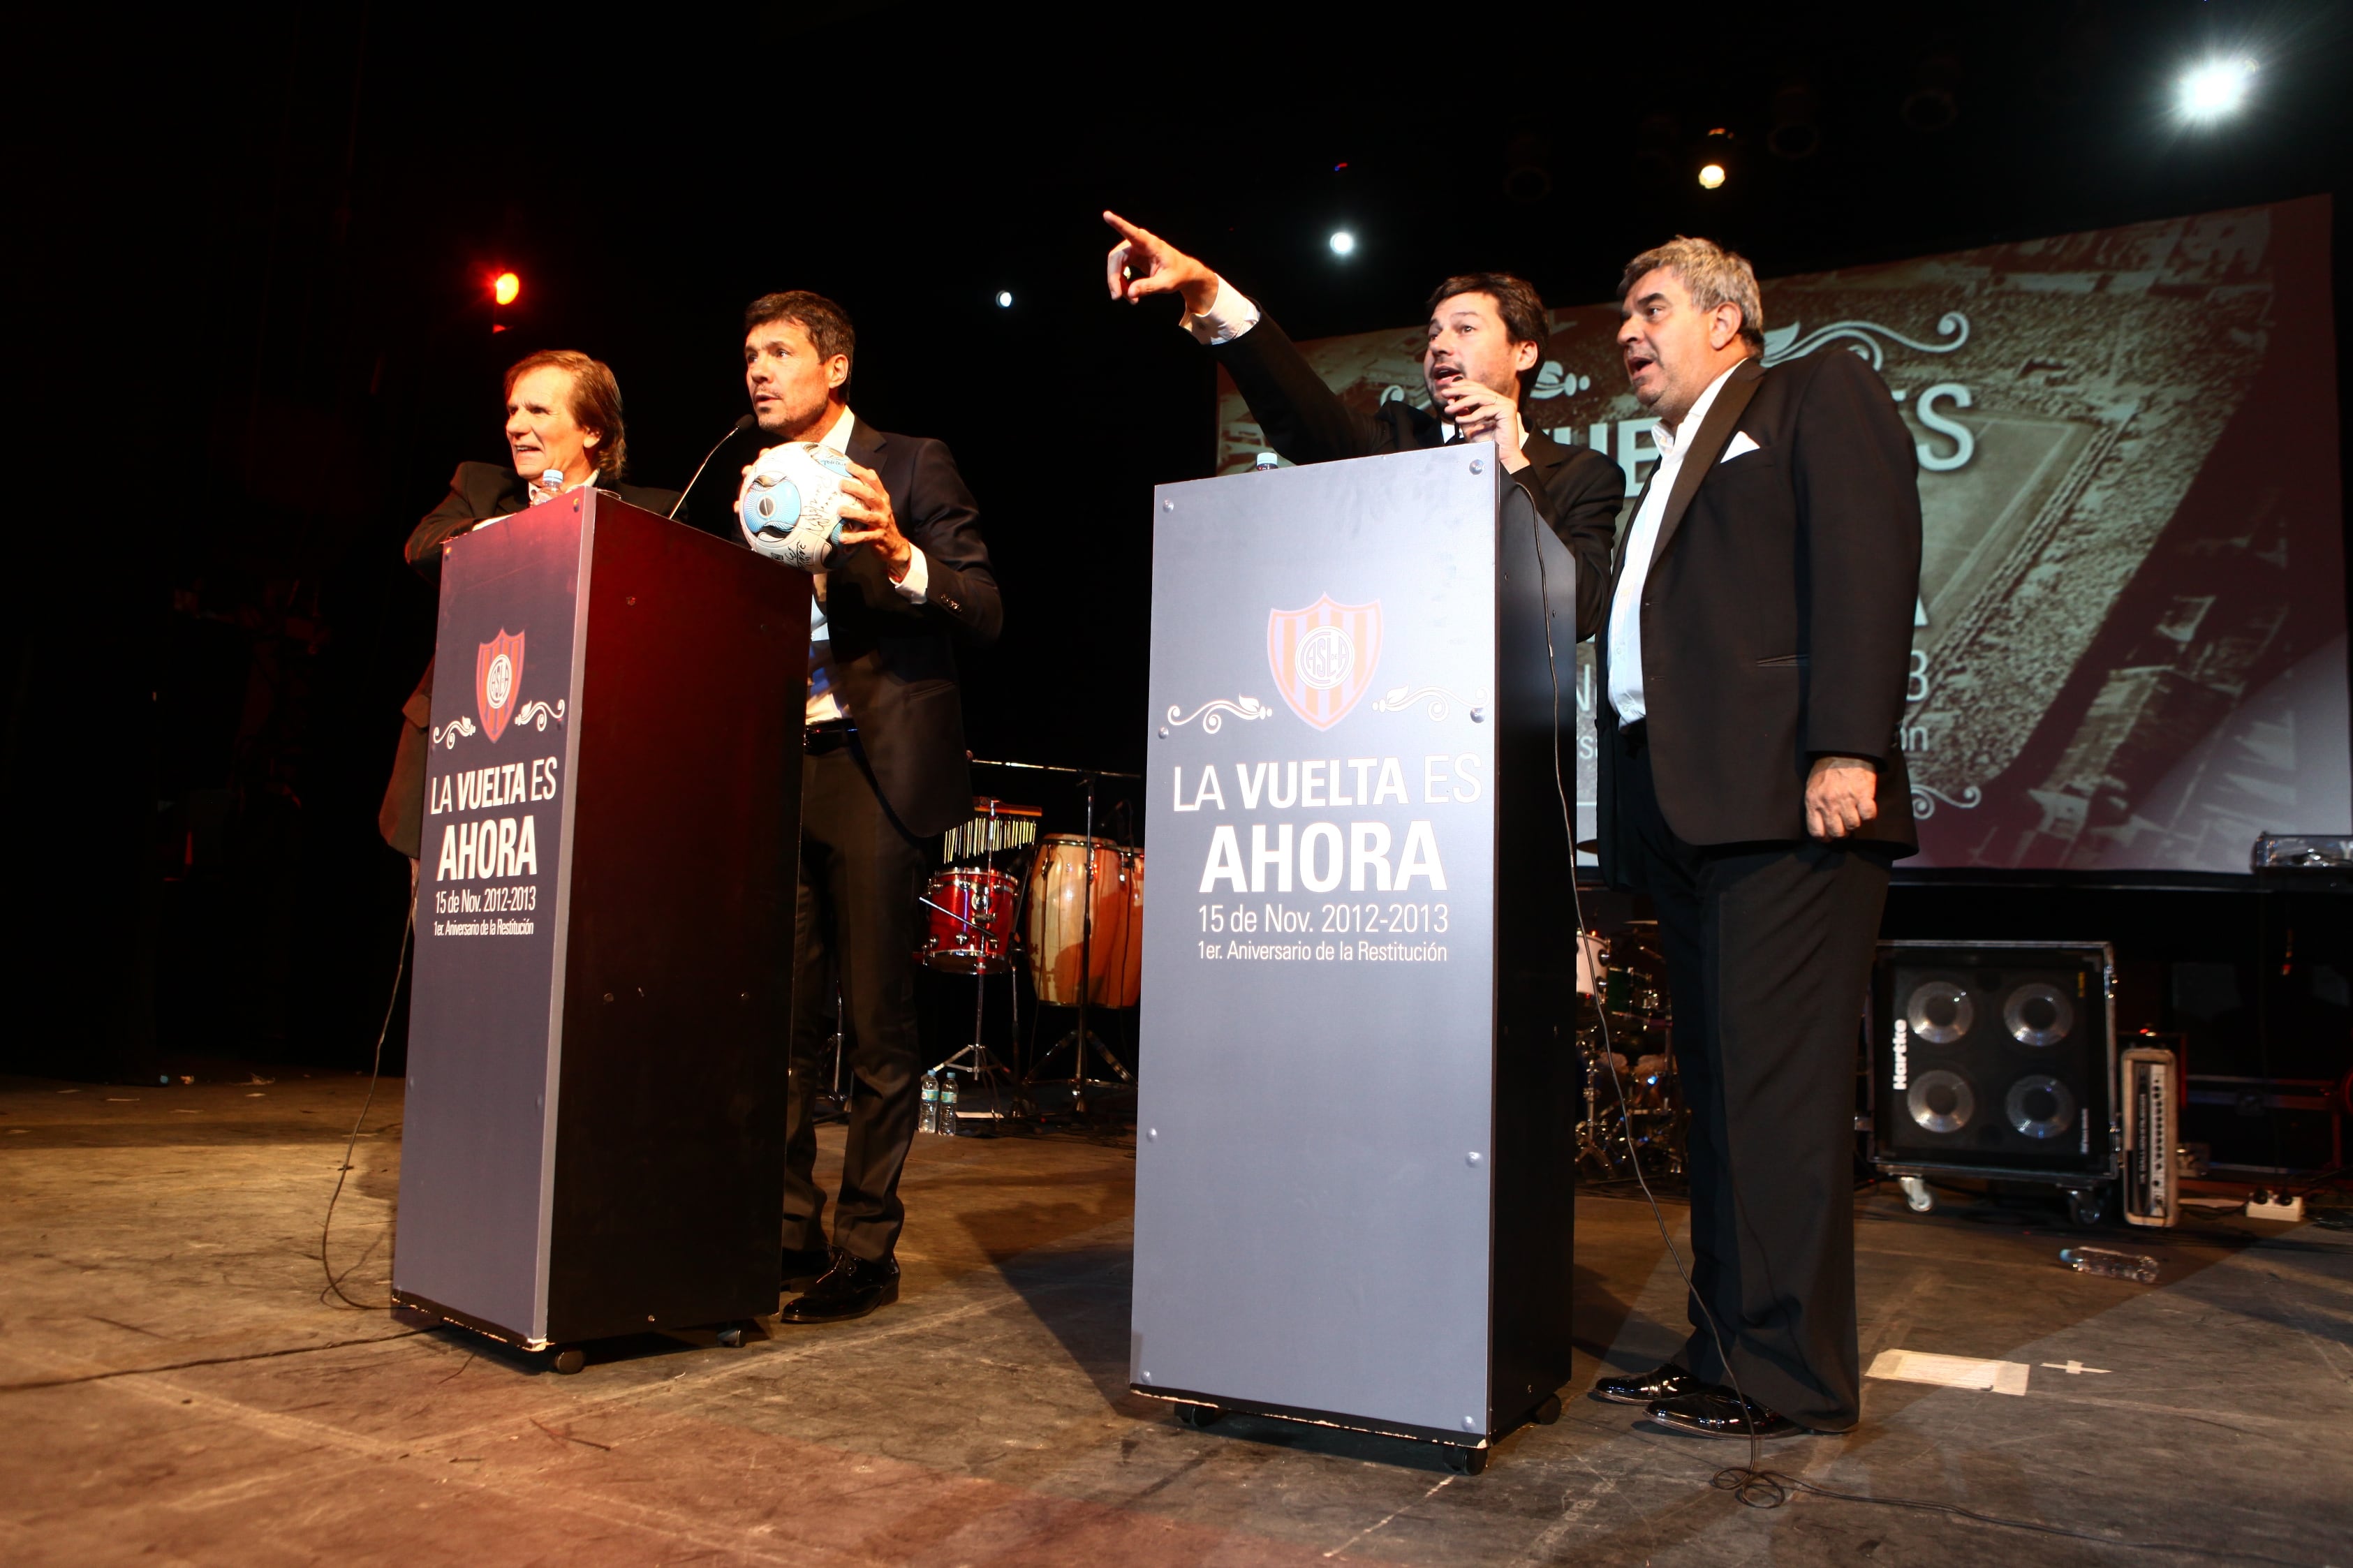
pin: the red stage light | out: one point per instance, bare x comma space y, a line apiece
506, 288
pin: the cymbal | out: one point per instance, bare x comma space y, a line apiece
1588, 847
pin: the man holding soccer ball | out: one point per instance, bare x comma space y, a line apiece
903, 578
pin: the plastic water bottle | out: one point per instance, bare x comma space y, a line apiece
1266, 460
2137, 1267
928, 1119
948, 1122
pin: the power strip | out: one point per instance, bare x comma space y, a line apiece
2264, 1205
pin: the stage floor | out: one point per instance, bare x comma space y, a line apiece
179, 1388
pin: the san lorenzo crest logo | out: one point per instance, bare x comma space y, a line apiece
497, 671
1322, 658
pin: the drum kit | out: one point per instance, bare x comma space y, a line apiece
1066, 908
1626, 1031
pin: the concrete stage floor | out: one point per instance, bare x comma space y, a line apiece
175, 1387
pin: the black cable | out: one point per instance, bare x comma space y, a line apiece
1783, 1484
1752, 1474
1751, 1483
376, 1073
205, 1360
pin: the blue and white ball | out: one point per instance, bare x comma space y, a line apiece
790, 505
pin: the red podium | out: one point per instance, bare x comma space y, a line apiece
594, 1137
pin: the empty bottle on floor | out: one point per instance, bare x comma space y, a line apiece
2134, 1266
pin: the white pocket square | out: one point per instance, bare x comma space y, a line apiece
1740, 444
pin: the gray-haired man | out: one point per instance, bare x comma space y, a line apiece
1754, 660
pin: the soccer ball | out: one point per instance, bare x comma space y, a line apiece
790, 505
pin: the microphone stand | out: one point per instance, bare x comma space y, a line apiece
742, 424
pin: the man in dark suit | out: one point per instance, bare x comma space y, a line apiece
564, 416
1485, 350
1754, 663
884, 769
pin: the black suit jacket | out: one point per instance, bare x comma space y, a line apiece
1576, 491
1777, 617
895, 662
478, 490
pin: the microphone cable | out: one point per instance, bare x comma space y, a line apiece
375, 1074
1751, 1484
742, 423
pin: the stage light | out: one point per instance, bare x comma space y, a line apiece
1005, 298
1343, 242
2215, 89
505, 287
1711, 175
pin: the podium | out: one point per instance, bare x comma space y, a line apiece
1354, 1145
593, 1142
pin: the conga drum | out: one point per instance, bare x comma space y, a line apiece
1053, 926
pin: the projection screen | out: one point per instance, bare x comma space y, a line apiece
2129, 650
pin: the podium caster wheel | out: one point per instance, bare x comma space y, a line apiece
1199, 1415
570, 1359
1466, 1461
1917, 1198
731, 1338
2087, 1208
1547, 1413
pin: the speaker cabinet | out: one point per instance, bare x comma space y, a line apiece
1994, 1058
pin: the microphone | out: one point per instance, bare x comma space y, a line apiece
740, 424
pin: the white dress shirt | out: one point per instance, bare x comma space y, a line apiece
1230, 315
825, 703
1626, 607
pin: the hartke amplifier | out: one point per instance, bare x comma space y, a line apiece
2151, 1093
1994, 1058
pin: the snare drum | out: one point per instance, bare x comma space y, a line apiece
970, 913
1054, 927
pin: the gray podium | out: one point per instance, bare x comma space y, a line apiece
594, 1133
1354, 1169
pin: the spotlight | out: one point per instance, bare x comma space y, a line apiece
1343, 242
2215, 89
1005, 298
505, 286
1716, 152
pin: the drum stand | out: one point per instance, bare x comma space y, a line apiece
1080, 1039
833, 1104
975, 1058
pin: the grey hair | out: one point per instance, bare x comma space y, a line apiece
1710, 274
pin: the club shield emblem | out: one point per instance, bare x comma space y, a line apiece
1323, 656
497, 676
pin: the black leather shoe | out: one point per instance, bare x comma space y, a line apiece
804, 1265
1641, 1388
851, 1288
1718, 1412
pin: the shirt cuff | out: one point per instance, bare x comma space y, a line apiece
1230, 315
918, 578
